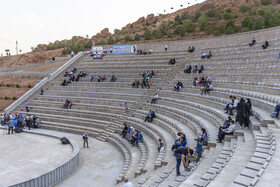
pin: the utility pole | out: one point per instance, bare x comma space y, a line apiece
17, 47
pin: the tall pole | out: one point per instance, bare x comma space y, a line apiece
17, 47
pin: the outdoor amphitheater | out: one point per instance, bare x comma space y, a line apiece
248, 157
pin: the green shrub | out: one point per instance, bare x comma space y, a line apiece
163, 29
245, 21
117, 31
228, 10
17, 86
189, 26
186, 15
117, 39
29, 86
8, 85
14, 98
266, 2
244, 8
154, 25
102, 42
137, 37
202, 23
258, 24
169, 33
261, 11
235, 16
197, 15
211, 13
180, 30
127, 38
157, 34
178, 19
6, 98
227, 16
1, 85
110, 40
169, 23
147, 34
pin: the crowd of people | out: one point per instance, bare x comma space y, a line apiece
146, 80
102, 78
202, 80
70, 77
194, 69
18, 121
144, 52
206, 55
132, 135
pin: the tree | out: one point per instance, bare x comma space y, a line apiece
157, 34
169, 33
137, 37
117, 39
246, 20
180, 30
227, 16
266, 2
178, 19
128, 38
110, 40
197, 15
163, 29
258, 24
102, 42
244, 8
87, 36
189, 26
202, 23
211, 13
147, 34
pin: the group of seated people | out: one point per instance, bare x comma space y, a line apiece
201, 80
206, 55
67, 104
103, 78
71, 77
178, 86
150, 116
185, 154
264, 46
206, 90
144, 52
191, 49
228, 128
133, 136
52, 59
146, 81
190, 69
172, 61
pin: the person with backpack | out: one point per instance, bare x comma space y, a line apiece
85, 138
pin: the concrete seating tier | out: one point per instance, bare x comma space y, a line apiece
129, 62
116, 70
128, 80
105, 84
263, 154
120, 66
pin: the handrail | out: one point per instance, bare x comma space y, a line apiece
42, 83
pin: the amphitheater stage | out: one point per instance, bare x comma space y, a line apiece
100, 165
25, 155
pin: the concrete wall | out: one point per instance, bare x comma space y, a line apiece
234, 39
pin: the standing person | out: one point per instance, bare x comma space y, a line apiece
166, 47
126, 182
126, 107
72, 54
85, 138
28, 121
182, 154
243, 113
2, 120
11, 125
26, 106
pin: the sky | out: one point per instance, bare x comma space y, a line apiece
31, 22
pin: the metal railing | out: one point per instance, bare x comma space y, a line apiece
42, 83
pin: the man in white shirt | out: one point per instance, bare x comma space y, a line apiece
154, 98
166, 47
126, 183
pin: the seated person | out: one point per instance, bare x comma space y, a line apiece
252, 43
223, 132
66, 74
188, 69
150, 52
180, 142
193, 49
201, 69
265, 45
204, 55
172, 61
99, 79
64, 83
74, 70
197, 153
209, 55
203, 137
135, 84
276, 111
134, 137
68, 81
209, 88
97, 57
182, 154
113, 78
195, 68
195, 81
178, 86
103, 78
149, 116
67, 104
155, 97
160, 145
93, 78
124, 131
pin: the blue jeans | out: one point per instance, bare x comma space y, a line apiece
276, 110
2, 123
178, 162
202, 90
227, 107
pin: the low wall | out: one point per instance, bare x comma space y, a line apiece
43, 82
55, 174
219, 41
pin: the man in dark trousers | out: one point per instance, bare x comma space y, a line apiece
85, 138
11, 125
182, 154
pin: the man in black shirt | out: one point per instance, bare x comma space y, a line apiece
182, 154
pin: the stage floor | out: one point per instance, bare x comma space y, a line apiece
25, 155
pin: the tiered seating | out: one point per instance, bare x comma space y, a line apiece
98, 108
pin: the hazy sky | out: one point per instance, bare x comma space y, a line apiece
36, 21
